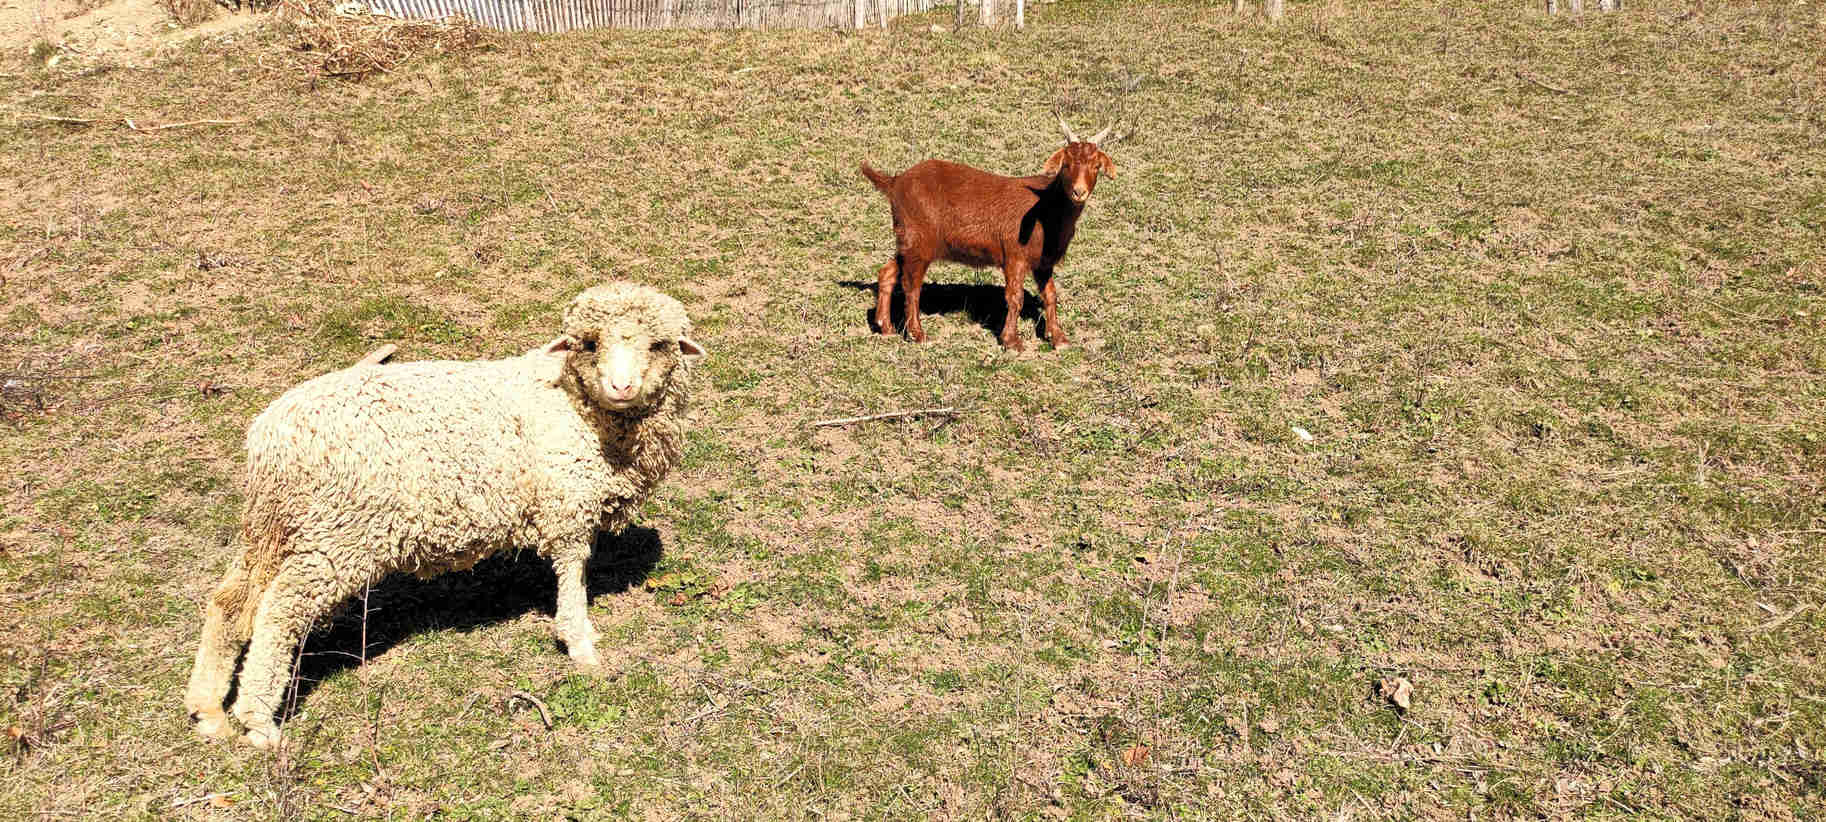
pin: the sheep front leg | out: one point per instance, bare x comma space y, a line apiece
572, 622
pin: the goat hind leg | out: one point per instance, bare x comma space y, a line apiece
912, 278
885, 279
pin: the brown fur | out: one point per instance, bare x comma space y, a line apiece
1022, 225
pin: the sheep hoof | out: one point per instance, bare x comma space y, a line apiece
585, 657
212, 725
264, 739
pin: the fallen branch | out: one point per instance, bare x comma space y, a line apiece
378, 355
545, 716
1552, 88
891, 415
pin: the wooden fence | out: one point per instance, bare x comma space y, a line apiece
551, 16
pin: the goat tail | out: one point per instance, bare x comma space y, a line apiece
884, 182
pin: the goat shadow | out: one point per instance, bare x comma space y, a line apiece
983, 303
502, 587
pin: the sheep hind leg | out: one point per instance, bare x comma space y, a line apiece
306, 588
572, 622
223, 637
885, 278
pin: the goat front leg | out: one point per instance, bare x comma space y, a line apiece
885, 278
572, 620
1014, 275
1049, 296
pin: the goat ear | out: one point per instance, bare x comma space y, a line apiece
690, 348
1106, 166
1054, 163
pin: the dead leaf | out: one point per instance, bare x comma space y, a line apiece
679, 598
1269, 725
1239, 727
220, 800
1135, 755
1399, 691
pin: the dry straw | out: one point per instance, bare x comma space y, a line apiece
349, 40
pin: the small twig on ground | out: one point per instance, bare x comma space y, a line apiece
545, 715
379, 355
208, 797
1553, 88
1778, 621
126, 121
892, 415
185, 124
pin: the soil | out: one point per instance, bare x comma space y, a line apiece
115, 30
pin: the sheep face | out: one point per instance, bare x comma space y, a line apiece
624, 345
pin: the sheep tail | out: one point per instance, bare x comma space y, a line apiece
884, 182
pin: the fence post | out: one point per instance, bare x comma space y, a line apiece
1020, 14
1273, 8
988, 13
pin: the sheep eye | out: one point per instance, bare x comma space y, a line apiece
589, 345
660, 345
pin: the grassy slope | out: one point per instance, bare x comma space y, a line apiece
1560, 355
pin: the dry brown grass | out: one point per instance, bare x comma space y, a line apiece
188, 13
1561, 356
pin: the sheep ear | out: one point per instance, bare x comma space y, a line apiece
690, 348
1054, 163
560, 344
1106, 166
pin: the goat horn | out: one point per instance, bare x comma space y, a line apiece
1098, 137
1069, 136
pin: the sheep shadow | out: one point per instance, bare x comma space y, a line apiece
982, 303
497, 589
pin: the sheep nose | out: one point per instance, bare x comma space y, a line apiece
620, 391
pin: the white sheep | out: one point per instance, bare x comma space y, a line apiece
428, 467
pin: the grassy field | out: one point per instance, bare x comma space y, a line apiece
1546, 294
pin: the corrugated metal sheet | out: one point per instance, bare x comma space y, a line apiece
552, 16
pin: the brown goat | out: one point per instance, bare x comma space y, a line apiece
1022, 225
